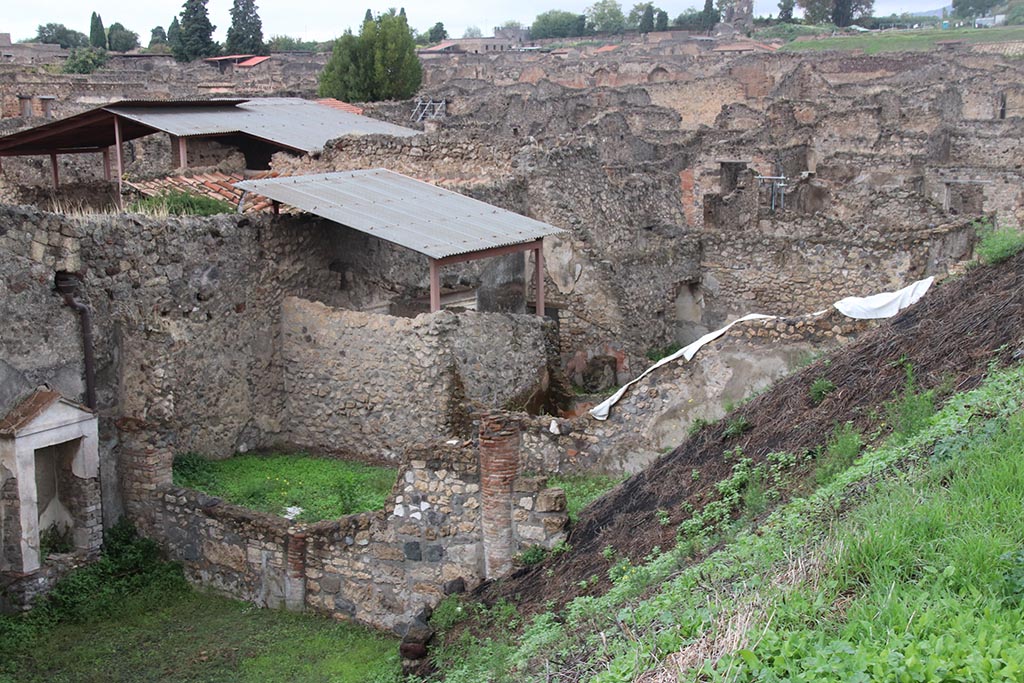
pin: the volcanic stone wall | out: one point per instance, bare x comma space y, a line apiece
373, 384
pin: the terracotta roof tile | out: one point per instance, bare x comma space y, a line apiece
31, 408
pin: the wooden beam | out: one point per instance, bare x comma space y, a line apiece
54, 169
277, 207
538, 279
488, 253
120, 160
435, 286
182, 153
106, 164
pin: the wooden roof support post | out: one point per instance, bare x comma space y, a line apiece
106, 164
54, 169
435, 286
120, 160
182, 153
538, 278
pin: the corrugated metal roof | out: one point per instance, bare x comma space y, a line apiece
292, 122
407, 212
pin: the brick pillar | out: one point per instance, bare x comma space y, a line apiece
499, 463
145, 463
295, 572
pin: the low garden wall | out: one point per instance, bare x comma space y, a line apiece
380, 568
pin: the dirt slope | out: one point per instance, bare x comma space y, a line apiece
949, 337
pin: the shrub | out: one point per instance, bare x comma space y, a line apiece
821, 388
84, 61
998, 244
583, 489
177, 203
697, 425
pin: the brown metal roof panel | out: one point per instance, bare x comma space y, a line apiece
408, 212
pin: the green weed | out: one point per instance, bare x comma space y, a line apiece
177, 203
998, 244
842, 449
736, 426
820, 388
583, 489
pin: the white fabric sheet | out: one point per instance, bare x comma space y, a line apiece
884, 305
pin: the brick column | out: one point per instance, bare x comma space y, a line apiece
499, 463
295, 571
145, 462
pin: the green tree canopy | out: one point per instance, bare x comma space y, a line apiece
157, 36
786, 11
59, 34
709, 16
245, 35
290, 44
120, 39
379, 64
437, 33
661, 21
558, 24
97, 34
637, 13
196, 36
839, 12
605, 16
472, 32
973, 8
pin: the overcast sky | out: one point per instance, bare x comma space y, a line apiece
319, 20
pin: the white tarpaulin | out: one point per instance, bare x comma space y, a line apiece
884, 305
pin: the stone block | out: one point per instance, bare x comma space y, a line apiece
550, 500
412, 551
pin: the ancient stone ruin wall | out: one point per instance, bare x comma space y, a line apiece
380, 568
656, 413
372, 384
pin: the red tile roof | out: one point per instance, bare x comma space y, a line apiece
214, 184
253, 61
31, 408
343, 106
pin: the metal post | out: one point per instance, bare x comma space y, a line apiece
538, 279
120, 160
53, 167
435, 287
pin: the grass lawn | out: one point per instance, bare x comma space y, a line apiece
908, 41
198, 638
323, 488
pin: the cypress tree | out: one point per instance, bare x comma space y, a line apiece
196, 32
245, 36
661, 21
647, 20
97, 35
174, 40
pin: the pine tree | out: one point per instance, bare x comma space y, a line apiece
97, 36
368, 16
245, 36
379, 64
196, 36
